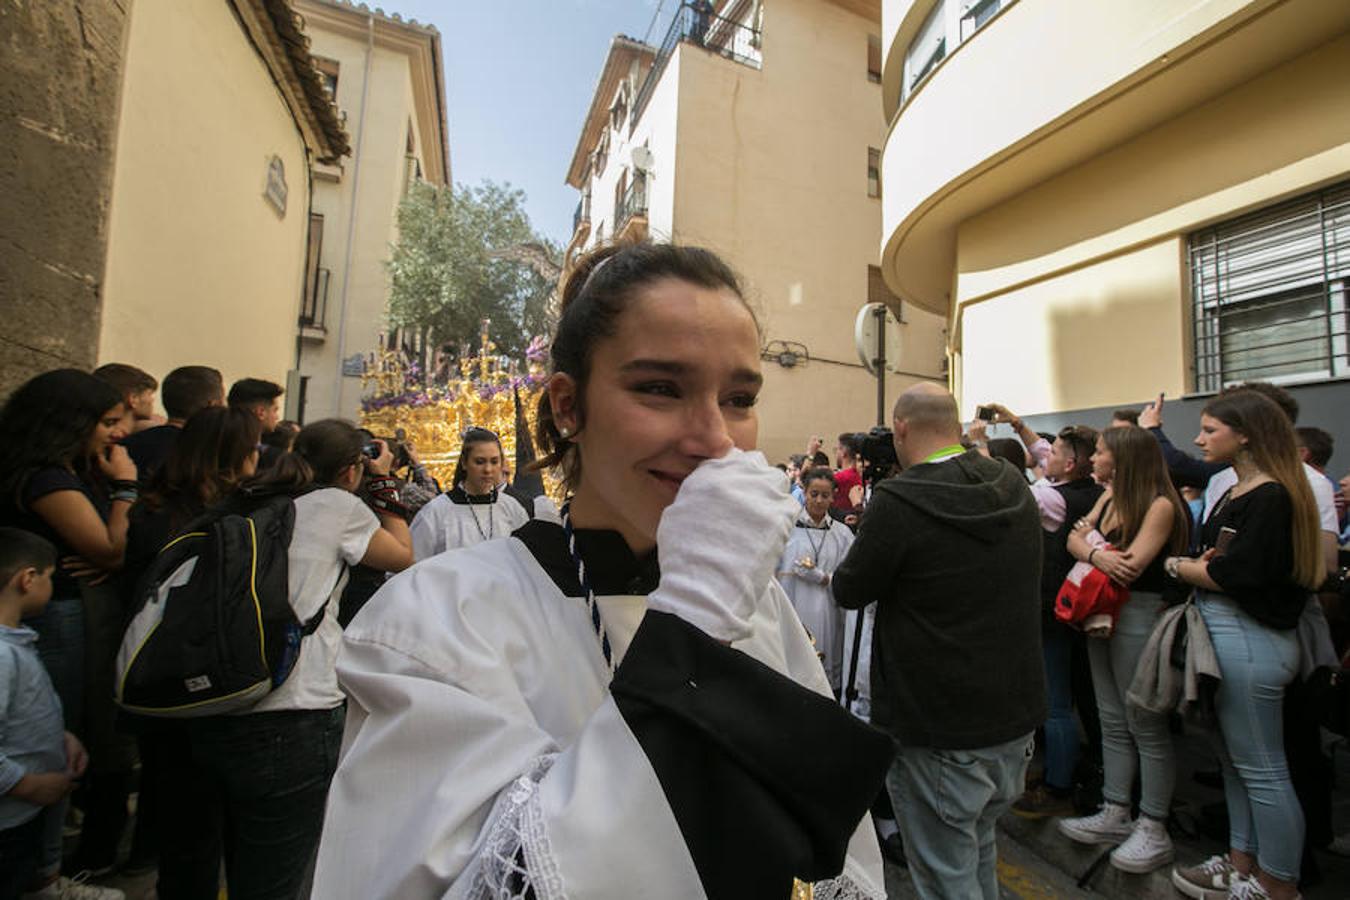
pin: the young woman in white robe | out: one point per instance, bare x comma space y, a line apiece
624, 705
817, 545
478, 508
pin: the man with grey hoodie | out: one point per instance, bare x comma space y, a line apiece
951, 551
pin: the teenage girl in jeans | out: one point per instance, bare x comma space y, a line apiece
1261, 559
65, 477
1143, 519
254, 785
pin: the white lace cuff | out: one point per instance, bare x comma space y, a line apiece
852, 884
516, 861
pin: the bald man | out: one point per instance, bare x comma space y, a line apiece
950, 550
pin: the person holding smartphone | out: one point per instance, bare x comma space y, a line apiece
1261, 556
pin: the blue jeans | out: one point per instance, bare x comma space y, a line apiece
1133, 741
251, 788
946, 803
1061, 728
1257, 663
60, 646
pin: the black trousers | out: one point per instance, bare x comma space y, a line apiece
250, 789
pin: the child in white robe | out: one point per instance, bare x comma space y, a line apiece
817, 545
477, 508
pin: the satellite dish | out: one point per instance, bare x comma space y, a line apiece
865, 329
643, 159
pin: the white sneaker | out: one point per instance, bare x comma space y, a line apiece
1245, 887
1210, 880
1109, 825
76, 888
1148, 847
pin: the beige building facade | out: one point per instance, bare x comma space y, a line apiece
221, 114
387, 76
1107, 200
757, 135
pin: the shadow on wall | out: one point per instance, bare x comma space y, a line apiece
1177, 163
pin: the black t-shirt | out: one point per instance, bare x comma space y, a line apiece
40, 484
149, 448
1257, 565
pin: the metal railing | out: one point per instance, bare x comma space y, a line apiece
1270, 293
314, 311
728, 38
633, 203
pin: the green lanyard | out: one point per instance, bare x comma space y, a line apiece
953, 450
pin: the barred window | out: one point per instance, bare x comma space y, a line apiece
1269, 293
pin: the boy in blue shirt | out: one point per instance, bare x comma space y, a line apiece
39, 760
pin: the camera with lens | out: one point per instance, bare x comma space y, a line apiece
877, 449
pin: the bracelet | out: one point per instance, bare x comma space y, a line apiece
126, 496
1172, 566
125, 484
1090, 553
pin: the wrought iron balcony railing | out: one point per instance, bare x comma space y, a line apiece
728, 38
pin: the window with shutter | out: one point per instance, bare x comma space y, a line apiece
1268, 293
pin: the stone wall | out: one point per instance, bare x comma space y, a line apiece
60, 77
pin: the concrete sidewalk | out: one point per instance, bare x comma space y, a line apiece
1089, 867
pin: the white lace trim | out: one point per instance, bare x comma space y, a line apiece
851, 884
843, 888
516, 857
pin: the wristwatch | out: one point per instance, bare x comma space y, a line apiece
1172, 566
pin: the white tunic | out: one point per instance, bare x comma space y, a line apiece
814, 603
484, 753
451, 520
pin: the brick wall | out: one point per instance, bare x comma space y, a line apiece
60, 76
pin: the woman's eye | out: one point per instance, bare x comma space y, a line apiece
657, 389
743, 401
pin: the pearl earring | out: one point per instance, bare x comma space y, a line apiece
564, 432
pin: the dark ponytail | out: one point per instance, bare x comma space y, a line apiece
473, 437
597, 292
322, 450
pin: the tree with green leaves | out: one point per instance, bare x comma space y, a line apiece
458, 259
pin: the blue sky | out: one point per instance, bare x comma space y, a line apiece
518, 79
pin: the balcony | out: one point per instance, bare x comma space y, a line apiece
736, 41
314, 310
630, 213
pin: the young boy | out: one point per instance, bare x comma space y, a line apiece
39, 760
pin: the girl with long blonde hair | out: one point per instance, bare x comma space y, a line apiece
1261, 558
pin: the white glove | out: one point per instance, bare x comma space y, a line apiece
719, 542
812, 574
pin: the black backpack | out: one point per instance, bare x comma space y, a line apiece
212, 630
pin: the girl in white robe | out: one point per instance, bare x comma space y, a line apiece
817, 545
624, 705
477, 508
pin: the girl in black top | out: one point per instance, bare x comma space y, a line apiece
64, 476
1261, 558
1142, 518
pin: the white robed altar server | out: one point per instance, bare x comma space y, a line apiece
476, 508
624, 705
815, 548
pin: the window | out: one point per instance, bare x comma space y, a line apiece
1269, 293
873, 172
618, 113
620, 189
601, 154
951, 23
328, 68
874, 59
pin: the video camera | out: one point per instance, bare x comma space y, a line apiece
877, 449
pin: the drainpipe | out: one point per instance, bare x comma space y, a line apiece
351, 215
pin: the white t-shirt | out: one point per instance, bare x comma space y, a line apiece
333, 529
1321, 488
